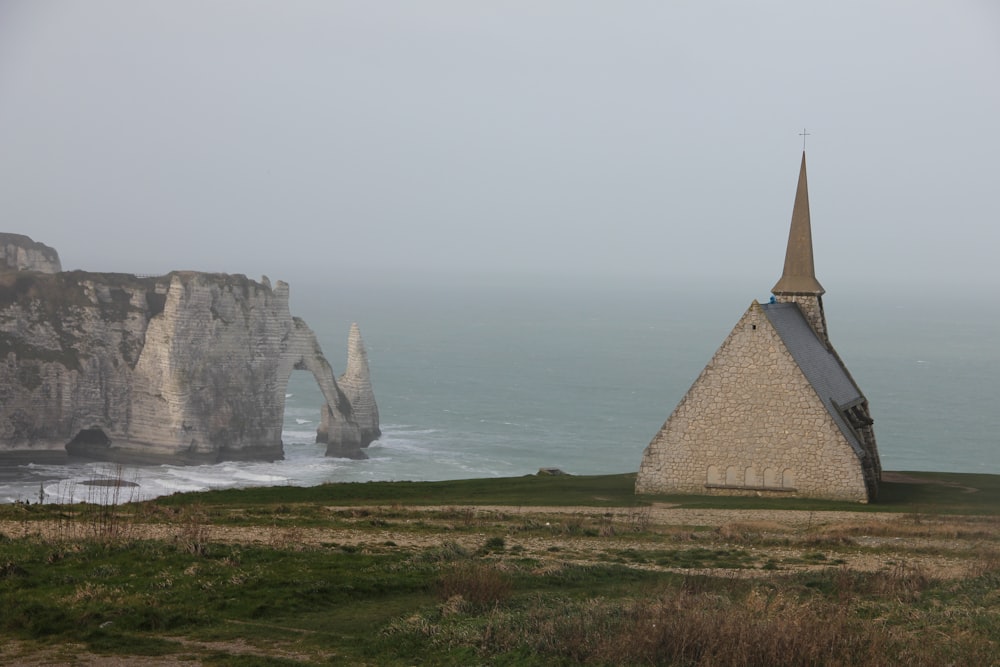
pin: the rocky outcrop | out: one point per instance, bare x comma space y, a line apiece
357, 386
20, 253
188, 367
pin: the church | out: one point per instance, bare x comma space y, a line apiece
775, 412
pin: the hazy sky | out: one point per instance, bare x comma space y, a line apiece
327, 141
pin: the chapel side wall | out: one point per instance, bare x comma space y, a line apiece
752, 425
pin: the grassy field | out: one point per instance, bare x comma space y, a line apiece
948, 493
536, 570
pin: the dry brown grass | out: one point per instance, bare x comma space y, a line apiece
480, 585
678, 627
911, 526
745, 532
701, 628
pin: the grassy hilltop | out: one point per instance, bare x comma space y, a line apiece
532, 570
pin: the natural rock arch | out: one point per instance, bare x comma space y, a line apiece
184, 368
337, 427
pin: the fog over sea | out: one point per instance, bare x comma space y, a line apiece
495, 379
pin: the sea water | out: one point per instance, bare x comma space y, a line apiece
501, 380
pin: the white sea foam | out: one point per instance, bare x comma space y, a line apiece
268, 479
297, 435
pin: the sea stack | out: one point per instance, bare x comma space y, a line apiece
357, 385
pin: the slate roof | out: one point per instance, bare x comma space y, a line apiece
822, 368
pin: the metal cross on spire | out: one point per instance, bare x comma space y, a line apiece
803, 134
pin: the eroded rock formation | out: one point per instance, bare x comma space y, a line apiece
188, 367
357, 385
20, 253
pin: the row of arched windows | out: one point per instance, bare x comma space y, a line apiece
772, 478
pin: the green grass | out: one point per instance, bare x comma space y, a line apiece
943, 493
476, 595
956, 493
562, 490
950, 493
133, 598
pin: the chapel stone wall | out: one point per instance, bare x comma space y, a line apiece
752, 425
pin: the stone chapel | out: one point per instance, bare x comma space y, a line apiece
775, 412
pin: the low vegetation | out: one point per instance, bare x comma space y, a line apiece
527, 571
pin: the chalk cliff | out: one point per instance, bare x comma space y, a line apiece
20, 253
188, 367
357, 385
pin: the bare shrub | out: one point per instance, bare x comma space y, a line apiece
704, 629
495, 543
465, 515
481, 585
987, 561
573, 525
445, 552
901, 582
104, 512
639, 519
454, 605
194, 533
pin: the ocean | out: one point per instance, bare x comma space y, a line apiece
494, 379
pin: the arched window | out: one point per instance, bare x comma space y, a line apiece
714, 475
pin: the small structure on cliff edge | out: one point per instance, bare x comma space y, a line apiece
186, 368
775, 412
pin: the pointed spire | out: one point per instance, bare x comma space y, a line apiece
799, 276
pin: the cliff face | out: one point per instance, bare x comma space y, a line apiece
20, 253
188, 367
